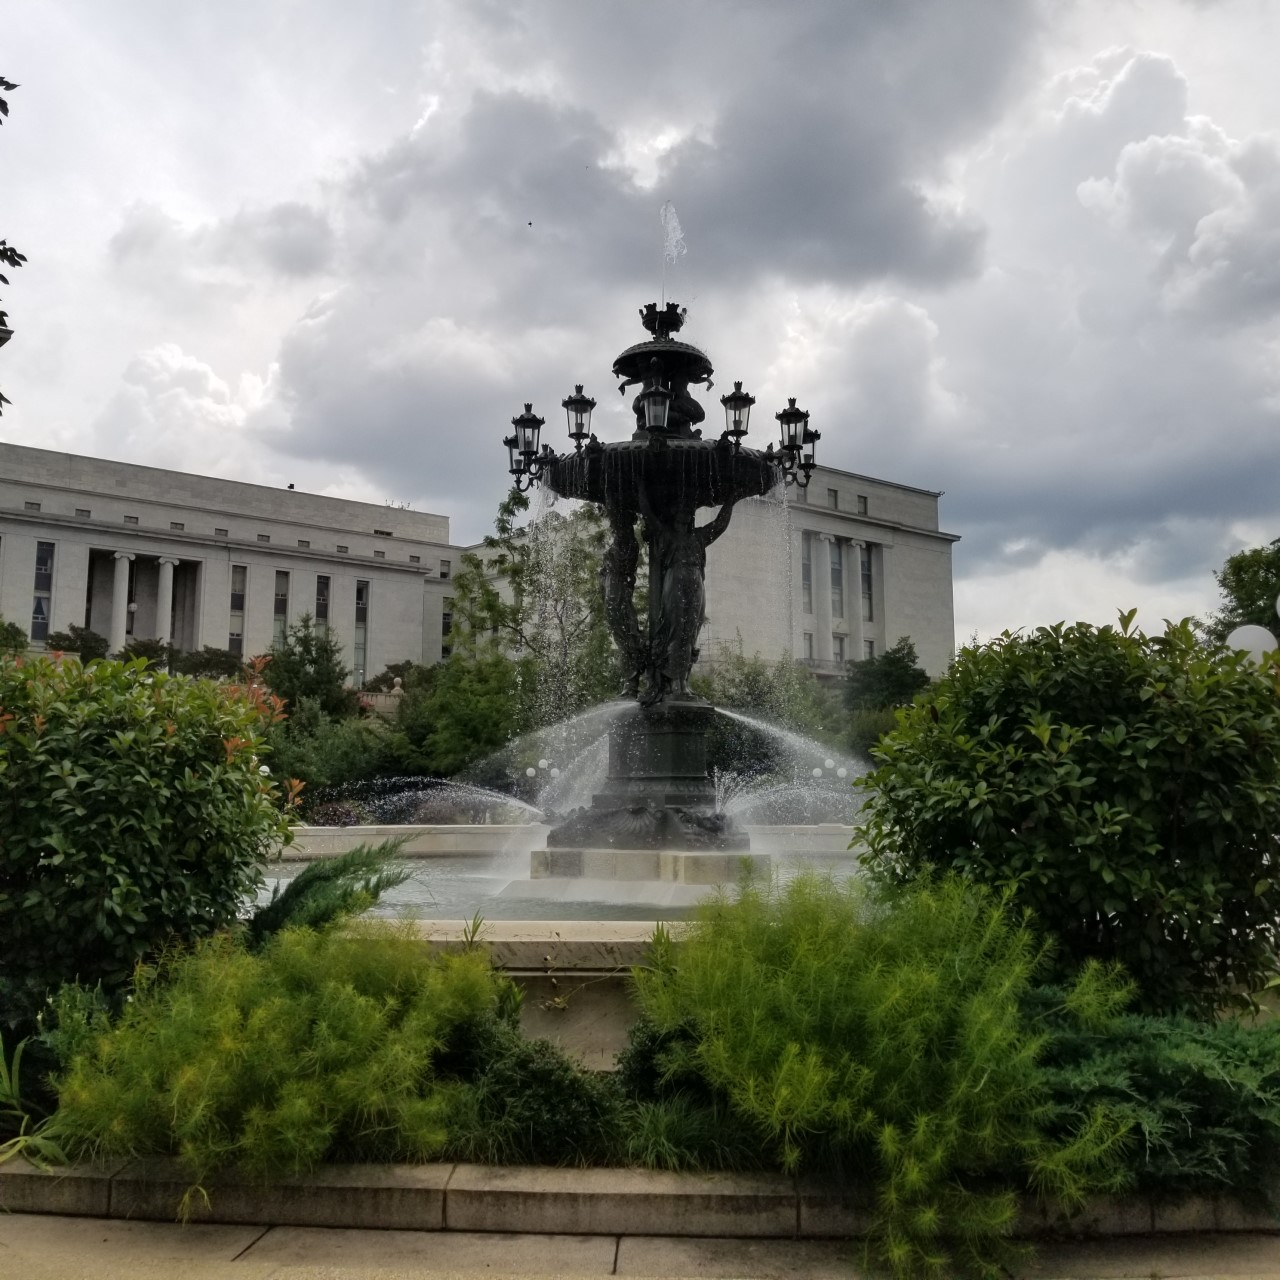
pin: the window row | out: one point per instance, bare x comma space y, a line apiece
835, 587
320, 613
180, 526
839, 653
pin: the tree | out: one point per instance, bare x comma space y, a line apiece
783, 692
79, 640
536, 594
1123, 787
891, 679
9, 256
308, 664
473, 707
1250, 585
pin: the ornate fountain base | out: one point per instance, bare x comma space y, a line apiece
658, 795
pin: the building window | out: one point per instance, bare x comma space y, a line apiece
868, 649
837, 648
83, 513
362, 630
43, 591
264, 537
446, 567
131, 519
304, 543
379, 555
177, 526
808, 646
862, 504
280, 614
235, 631
864, 559
837, 579
342, 551
322, 602
446, 627
220, 533
31, 506
806, 572
415, 559
833, 499
382, 533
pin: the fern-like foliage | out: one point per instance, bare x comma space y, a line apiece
883, 1042
329, 890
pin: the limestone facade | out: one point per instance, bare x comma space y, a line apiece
837, 572
137, 552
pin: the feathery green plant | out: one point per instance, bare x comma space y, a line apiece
882, 1040
321, 1046
329, 890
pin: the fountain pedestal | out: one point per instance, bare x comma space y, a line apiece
658, 795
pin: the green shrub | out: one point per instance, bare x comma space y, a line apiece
322, 751
322, 1047
209, 661
87, 645
132, 812
13, 640
530, 1104
1202, 1098
866, 728
1125, 787
882, 1042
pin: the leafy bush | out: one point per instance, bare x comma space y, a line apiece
866, 728
1125, 787
320, 1047
890, 679
322, 751
209, 661
530, 1104
13, 639
883, 1042
131, 812
87, 645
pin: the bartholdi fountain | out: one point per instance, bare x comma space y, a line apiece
657, 807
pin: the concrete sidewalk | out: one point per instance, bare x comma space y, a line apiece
48, 1247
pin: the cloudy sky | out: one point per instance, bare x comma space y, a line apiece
1024, 252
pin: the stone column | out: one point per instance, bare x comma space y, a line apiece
822, 596
120, 603
857, 629
164, 600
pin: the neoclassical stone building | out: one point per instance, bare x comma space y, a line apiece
132, 551
839, 572
848, 567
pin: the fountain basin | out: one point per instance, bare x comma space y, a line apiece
664, 865
826, 840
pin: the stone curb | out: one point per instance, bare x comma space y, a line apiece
545, 1201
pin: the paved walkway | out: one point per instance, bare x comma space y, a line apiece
46, 1247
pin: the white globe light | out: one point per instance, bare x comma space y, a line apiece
842, 772
828, 764
1253, 640
542, 764
817, 773
262, 769
555, 773
531, 772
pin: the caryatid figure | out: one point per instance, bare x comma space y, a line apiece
680, 547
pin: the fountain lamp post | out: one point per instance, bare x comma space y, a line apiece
659, 793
